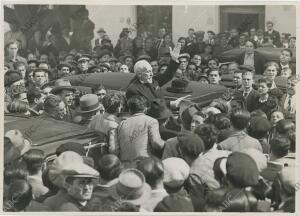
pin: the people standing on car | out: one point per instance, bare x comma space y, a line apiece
65, 91
143, 83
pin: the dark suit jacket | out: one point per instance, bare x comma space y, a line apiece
275, 36
151, 90
259, 62
251, 100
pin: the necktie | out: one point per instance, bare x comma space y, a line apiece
245, 94
289, 108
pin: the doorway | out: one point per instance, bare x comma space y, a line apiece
242, 17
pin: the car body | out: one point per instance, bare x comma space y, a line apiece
48, 134
201, 93
271, 54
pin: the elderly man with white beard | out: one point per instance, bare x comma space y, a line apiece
143, 83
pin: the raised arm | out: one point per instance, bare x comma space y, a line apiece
172, 67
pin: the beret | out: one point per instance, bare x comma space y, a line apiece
242, 170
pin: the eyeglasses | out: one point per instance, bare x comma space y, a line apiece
101, 94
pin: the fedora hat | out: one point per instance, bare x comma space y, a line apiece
179, 86
69, 163
88, 103
158, 109
62, 84
131, 187
15, 145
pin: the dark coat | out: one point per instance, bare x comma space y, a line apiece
251, 100
151, 90
275, 36
259, 62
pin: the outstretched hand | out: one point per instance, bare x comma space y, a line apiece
175, 52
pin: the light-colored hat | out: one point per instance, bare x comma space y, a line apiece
176, 171
16, 147
88, 103
67, 164
131, 187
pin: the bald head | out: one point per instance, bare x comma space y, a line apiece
143, 71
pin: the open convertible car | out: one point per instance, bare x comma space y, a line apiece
48, 134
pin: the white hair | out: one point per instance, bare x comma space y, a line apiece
141, 66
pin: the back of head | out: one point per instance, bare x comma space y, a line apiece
136, 104
109, 167
18, 106
280, 146
15, 170
284, 126
51, 103
34, 160
208, 133
174, 203
153, 170
240, 119
112, 102
20, 193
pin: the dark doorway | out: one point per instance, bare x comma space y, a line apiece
151, 18
242, 17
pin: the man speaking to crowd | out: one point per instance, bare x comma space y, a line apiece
143, 84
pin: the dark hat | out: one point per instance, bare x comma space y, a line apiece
122, 58
125, 30
62, 84
12, 76
105, 52
179, 86
105, 40
113, 59
203, 76
184, 55
71, 146
212, 32
259, 124
92, 68
88, 103
144, 57
174, 203
84, 57
191, 144
106, 65
32, 61
101, 30
60, 66
242, 170
159, 110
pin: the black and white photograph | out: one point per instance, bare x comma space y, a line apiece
149, 108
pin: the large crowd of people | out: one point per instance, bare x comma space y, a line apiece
235, 155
